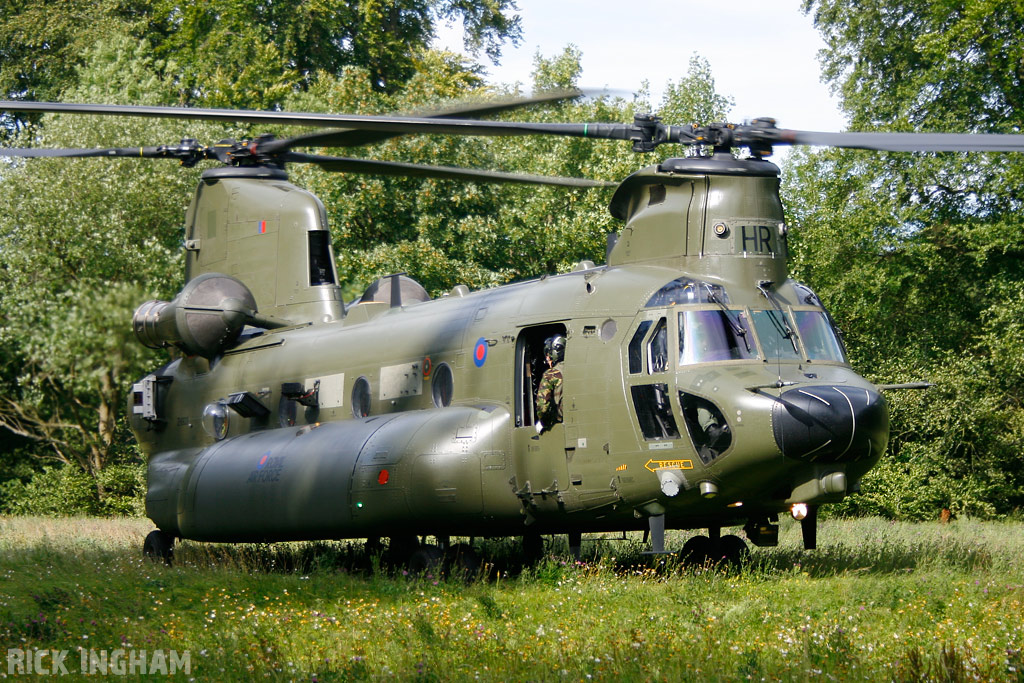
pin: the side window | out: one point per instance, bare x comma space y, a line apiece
657, 349
636, 348
654, 411
442, 386
361, 398
321, 269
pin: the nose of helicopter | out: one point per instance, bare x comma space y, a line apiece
830, 423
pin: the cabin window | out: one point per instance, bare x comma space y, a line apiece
321, 269
361, 397
776, 334
819, 337
636, 347
654, 411
657, 349
442, 386
706, 336
215, 420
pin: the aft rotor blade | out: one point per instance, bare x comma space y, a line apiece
134, 152
907, 142
384, 124
394, 168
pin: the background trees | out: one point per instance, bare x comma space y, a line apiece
919, 255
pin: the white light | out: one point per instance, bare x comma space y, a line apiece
799, 511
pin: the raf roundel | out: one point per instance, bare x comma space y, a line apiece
480, 352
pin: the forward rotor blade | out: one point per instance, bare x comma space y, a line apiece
394, 168
907, 142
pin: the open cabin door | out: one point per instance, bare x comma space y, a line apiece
541, 468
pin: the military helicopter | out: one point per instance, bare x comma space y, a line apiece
702, 387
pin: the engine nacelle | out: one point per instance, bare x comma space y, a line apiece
203, 320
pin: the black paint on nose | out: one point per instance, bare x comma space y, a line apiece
830, 423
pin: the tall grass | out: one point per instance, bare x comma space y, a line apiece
876, 601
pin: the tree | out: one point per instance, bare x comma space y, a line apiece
919, 255
78, 237
239, 53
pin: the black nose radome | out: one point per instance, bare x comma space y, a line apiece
830, 423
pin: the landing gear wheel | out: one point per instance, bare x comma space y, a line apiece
426, 559
159, 545
533, 549
462, 562
733, 550
401, 549
696, 552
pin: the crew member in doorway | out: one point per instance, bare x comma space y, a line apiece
549, 392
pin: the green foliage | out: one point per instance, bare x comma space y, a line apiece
67, 491
78, 237
239, 53
919, 255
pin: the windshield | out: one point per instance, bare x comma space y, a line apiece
776, 340
706, 336
819, 337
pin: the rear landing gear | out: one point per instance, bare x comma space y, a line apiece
459, 561
159, 546
714, 550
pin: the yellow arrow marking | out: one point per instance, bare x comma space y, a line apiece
655, 465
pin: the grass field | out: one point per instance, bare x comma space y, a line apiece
876, 601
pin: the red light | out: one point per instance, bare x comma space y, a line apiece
383, 477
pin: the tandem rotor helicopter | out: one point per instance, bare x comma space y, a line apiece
702, 387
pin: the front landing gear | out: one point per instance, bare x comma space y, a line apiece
159, 545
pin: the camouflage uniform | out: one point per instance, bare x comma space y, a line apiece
549, 397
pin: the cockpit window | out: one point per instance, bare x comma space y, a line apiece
657, 349
654, 411
819, 337
636, 347
706, 336
776, 335
686, 291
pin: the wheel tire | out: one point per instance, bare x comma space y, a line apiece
733, 550
427, 559
159, 546
462, 563
401, 549
696, 552
533, 549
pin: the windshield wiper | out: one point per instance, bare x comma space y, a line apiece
737, 327
782, 326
